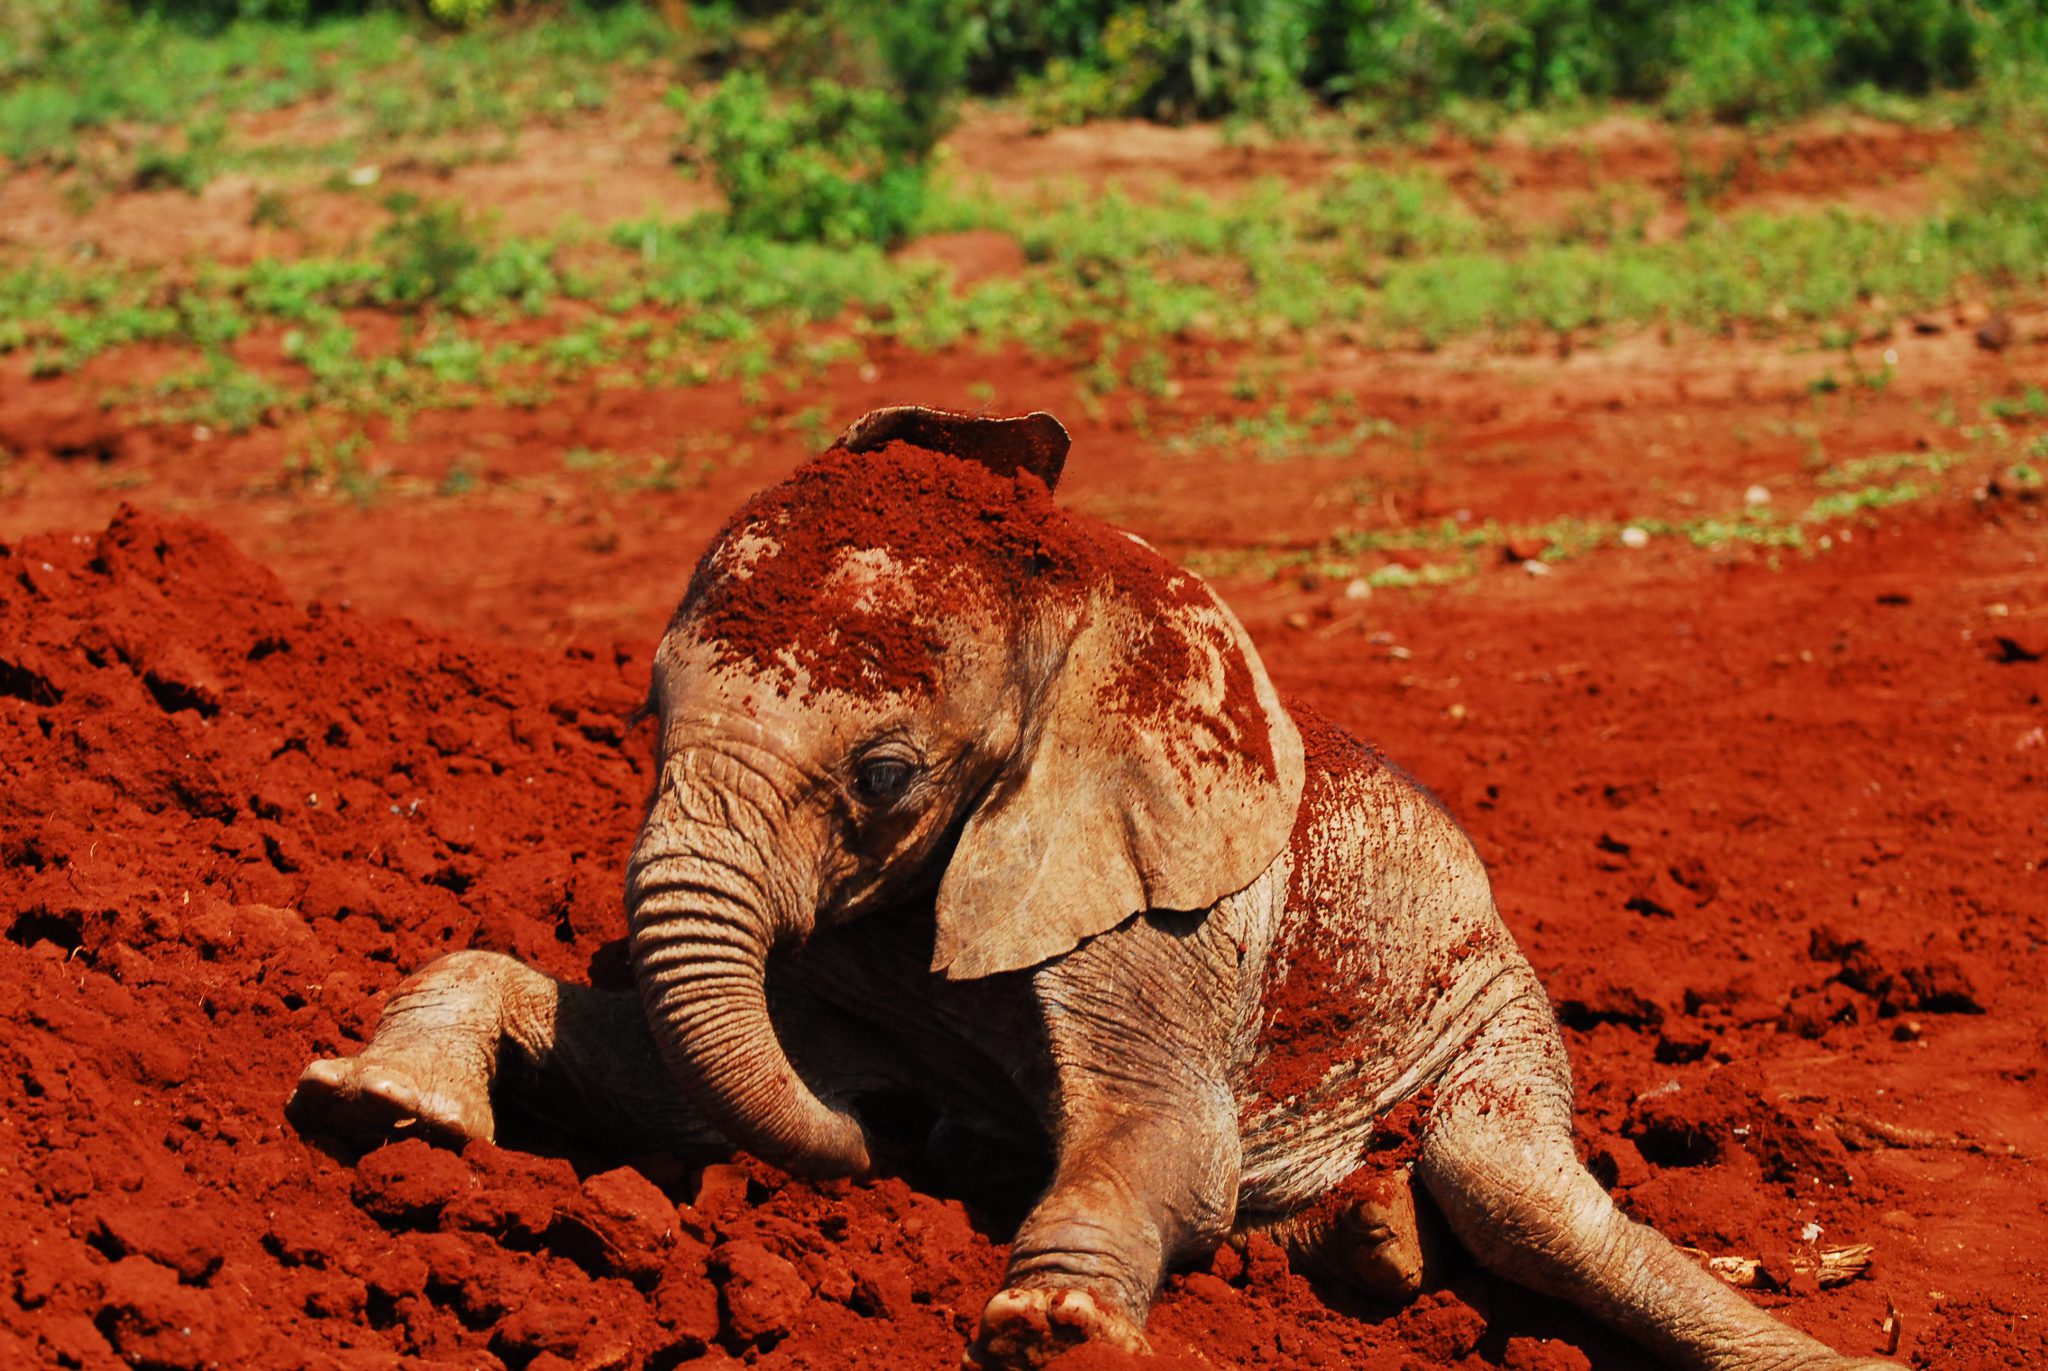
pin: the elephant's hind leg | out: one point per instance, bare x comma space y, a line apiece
1497, 1157
474, 1021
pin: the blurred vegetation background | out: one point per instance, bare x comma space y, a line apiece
1184, 59
328, 140
815, 118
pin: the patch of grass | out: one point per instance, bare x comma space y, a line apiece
1849, 492
186, 162
1861, 471
334, 468
1129, 293
222, 396
2031, 404
617, 473
432, 255
385, 79
1842, 504
1276, 434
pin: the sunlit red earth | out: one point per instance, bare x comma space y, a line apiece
1772, 829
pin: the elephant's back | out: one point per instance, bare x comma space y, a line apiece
1387, 956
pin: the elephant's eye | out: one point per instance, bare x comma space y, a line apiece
880, 779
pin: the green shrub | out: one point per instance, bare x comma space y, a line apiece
1748, 60
827, 165
1182, 59
1404, 59
833, 150
431, 255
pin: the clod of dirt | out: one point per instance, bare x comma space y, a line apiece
1996, 334
618, 1224
150, 1319
1543, 1354
1701, 1119
184, 1239
1589, 998
1441, 1324
763, 1294
408, 1184
1936, 985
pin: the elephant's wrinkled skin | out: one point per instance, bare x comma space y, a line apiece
966, 797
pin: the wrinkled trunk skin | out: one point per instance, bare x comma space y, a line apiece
703, 922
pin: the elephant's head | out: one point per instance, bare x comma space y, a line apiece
904, 672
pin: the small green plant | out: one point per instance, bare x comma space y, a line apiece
186, 164
1862, 470
617, 473
427, 248
463, 476
1842, 504
334, 468
2024, 476
829, 160
2032, 404
272, 208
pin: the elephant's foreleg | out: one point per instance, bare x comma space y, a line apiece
1498, 1159
476, 1023
1147, 1151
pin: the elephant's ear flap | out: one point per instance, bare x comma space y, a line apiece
1159, 771
1034, 442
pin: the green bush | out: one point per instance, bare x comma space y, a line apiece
1404, 59
431, 255
828, 164
828, 161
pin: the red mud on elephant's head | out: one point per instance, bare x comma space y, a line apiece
851, 576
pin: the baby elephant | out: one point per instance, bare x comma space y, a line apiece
966, 797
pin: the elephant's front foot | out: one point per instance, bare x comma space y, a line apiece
427, 1071
1022, 1329
374, 1097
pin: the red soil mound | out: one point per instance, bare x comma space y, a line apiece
228, 824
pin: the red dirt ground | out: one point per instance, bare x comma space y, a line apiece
1775, 836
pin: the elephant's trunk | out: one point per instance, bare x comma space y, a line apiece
700, 951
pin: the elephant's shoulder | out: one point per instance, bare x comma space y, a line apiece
1343, 770
1367, 826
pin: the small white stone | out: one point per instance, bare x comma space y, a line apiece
1756, 495
1358, 588
1634, 537
365, 176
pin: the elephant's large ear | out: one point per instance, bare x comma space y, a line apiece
1157, 771
1034, 442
